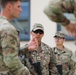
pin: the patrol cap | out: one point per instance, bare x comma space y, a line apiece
59, 34
38, 26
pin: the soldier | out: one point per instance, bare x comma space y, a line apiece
10, 63
40, 61
55, 10
65, 64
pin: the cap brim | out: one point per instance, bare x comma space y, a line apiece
58, 36
38, 29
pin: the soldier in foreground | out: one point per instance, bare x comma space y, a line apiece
40, 61
65, 64
10, 63
55, 11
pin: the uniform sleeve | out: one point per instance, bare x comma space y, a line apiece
9, 43
52, 65
71, 66
56, 8
24, 48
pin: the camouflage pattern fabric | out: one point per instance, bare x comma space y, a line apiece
63, 57
43, 58
74, 59
9, 45
56, 8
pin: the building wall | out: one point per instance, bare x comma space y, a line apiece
37, 16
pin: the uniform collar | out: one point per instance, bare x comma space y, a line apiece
59, 51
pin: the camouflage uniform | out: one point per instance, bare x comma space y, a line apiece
64, 62
56, 8
74, 59
10, 63
64, 58
41, 59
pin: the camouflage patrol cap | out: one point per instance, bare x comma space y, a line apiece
59, 34
38, 26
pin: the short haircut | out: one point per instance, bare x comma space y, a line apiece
3, 3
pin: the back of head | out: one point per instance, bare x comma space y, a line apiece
3, 3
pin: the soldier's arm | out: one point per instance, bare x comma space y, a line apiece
52, 65
9, 43
24, 49
56, 8
71, 66
31, 46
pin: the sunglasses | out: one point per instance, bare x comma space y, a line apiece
38, 31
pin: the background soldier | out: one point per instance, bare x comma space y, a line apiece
55, 11
39, 59
65, 65
10, 63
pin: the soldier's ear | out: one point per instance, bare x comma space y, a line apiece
9, 6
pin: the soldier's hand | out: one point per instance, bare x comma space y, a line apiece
33, 43
71, 28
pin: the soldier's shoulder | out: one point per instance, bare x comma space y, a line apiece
3, 20
6, 28
53, 49
5, 24
69, 51
45, 45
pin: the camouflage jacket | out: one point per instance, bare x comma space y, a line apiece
42, 59
63, 57
9, 45
56, 8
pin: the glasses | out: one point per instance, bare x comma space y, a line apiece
38, 31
